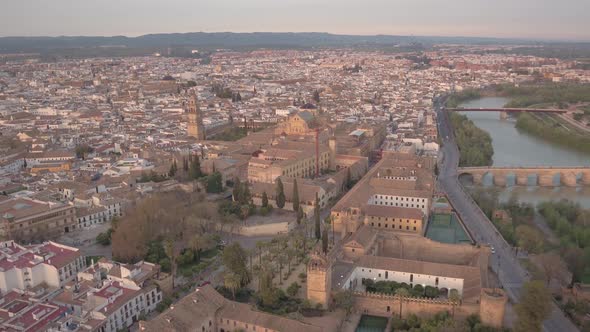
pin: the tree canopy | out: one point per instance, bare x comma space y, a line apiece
533, 308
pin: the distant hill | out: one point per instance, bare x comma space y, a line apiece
232, 40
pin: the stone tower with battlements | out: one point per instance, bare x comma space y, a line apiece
493, 306
195, 126
319, 278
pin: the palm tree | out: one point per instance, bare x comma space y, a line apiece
402, 293
454, 298
260, 245
250, 252
281, 259
291, 253
232, 281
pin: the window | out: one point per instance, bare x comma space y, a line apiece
388, 308
411, 278
436, 282
386, 274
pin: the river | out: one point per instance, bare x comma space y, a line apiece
515, 148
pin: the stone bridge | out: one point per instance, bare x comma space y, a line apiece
529, 176
504, 112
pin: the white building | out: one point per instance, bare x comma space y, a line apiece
411, 272
25, 267
114, 294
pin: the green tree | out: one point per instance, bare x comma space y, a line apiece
280, 200
173, 169
269, 295
316, 216
82, 150
234, 258
295, 196
245, 195
104, 238
316, 96
454, 298
236, 191
214, 183
299, 215
232, 281
345, 300
533, 308
293, 289
264, 200
195, 168
530, 239
325, 240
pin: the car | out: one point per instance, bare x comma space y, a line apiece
493, 250
204, 283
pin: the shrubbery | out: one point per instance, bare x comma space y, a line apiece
558, 134
474, 143
390, 288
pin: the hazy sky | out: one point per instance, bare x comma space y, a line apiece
544, 19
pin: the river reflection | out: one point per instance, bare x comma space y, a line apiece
515, 148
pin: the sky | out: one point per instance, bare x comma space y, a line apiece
532, 19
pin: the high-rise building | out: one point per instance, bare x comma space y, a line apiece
195, 119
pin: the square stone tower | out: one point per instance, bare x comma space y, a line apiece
319, 278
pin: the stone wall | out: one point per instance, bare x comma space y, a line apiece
266, 229
387, 305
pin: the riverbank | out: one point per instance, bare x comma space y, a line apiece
549, 95
549, 129
454, 100
474, 143
544, 95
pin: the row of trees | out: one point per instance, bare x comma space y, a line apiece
534, 307
552, 132
458, 98
521, 231
442, 321
392, 288
570, 223
529, 95
474, 143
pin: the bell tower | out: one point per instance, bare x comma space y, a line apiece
195, 126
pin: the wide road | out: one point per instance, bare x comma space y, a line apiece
511, 274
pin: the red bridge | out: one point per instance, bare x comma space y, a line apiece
508, 110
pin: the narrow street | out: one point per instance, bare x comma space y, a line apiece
511, 274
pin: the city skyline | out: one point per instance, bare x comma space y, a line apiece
528, 19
